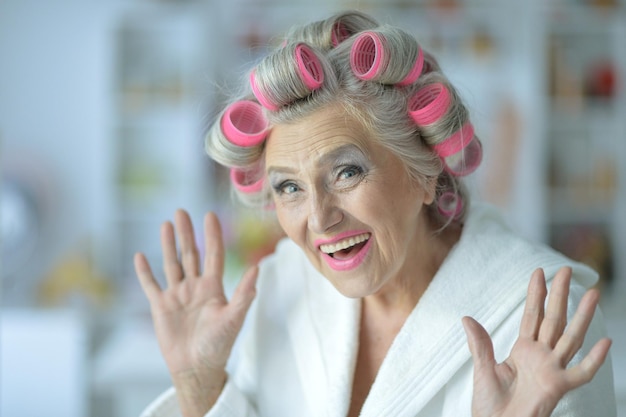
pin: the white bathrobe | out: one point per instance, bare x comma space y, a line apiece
297, 352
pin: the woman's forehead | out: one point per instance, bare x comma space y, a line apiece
318, 134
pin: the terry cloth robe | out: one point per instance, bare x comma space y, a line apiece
297, 352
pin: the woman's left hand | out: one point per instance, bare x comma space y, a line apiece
535, 376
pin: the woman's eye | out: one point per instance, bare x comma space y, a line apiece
350, 172
287, 188
290, 188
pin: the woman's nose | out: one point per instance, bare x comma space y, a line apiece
324, 213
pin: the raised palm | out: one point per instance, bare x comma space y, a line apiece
195, 324
534, 377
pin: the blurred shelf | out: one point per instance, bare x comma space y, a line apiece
577, 18
159, 69
586, 132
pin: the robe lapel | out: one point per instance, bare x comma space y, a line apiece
430, 348
324, 332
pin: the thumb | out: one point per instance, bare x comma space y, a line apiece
244, 293
479, 342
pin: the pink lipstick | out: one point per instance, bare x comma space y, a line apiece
345, 251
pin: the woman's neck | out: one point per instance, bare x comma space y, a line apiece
400, 296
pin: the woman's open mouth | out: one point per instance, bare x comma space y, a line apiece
346, 251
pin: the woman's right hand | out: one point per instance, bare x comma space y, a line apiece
196, 326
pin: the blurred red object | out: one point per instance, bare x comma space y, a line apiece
602, 80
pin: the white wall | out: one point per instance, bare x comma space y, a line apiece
55, 75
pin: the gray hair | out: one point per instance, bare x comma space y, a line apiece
380, 104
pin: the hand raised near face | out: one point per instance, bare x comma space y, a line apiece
535, 376
196, 326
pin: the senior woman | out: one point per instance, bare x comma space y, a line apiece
353, 135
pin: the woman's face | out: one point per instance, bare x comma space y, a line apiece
347, 202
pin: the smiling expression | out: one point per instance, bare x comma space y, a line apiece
348, 202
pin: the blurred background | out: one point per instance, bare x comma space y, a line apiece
103, 106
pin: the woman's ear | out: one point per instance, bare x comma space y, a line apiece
430, 190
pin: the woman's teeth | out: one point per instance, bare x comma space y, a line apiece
344, 244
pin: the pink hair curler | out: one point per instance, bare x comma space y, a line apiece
310, 72
456, 162
367, 55
259, 95
310, 67
244, 124
429, 104
368, 59
455, 142
416, 71
466, 162
450, 204
339, 33
241, 181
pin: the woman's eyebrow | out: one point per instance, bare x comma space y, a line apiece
347, 150
280, 170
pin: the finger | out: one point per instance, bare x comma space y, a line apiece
149, 285
574, 335
244, 295
589, 366
480, 344
555, 318
533, 309
214, 247
171, 266
246, 289
188, 249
